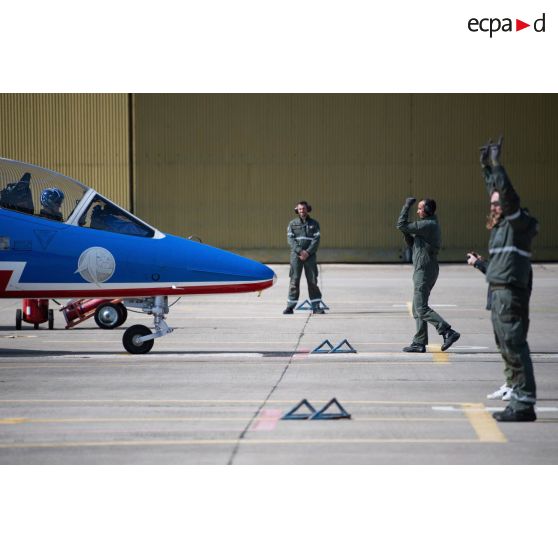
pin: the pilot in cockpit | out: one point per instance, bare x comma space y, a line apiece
51, 200
108, 217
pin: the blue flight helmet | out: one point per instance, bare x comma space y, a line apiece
51, 199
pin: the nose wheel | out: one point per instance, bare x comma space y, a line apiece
138, 339
132, 340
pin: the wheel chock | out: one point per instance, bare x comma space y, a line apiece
322, 415
307, 305
319, 349
304, 305
293, 415
348, 347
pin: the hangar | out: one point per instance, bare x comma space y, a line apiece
228, 168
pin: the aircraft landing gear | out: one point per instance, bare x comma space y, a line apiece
139, 339
132, 339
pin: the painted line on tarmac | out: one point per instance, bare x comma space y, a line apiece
265, 422
435, 405
450, 408
409, 306
242, 442
471, 348
484, 425
437, 355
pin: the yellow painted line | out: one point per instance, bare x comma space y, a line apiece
17, 420
409, 308
437, 355
243, 442
485, 426
300, 360
233, 401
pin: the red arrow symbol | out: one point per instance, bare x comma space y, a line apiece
519, 25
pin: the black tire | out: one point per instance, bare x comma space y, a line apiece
51, 319
19, 317
123, 313
109, 315
36, 326
129, 340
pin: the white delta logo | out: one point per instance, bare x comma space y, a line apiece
494, 24
96, 265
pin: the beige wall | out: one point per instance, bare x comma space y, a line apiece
84, 136
229, 168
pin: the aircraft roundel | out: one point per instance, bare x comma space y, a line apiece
96, 265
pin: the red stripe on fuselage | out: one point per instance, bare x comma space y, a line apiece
129, 293
5, 275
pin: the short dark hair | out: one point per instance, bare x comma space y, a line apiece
303, 202
429, 206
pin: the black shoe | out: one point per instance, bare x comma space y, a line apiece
450, 337
510, 415
288, 310
415, 348
318, 311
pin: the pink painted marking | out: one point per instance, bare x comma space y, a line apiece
267, 419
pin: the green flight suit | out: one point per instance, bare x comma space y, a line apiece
426, 236
509, 274
482, 266
304, 235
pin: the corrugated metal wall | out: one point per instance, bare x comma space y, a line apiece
229, 168
84, 136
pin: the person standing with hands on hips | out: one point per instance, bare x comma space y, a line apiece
509, 275
303, 236
425, 237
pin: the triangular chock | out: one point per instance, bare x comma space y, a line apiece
519, 25
293, 415
304, 305
318, 349
322, 415
338, 349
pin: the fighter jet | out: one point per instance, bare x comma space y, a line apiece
61, 239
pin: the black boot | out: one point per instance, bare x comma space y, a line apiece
415, 348
316, 309
450, 337
511, 415
288, 310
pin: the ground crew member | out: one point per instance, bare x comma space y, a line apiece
509, 274
425, 237
303, 236
505, 390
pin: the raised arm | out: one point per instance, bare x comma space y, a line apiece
497, 180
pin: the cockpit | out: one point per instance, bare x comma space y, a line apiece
43, 193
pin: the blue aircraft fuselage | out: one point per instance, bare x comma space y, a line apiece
72, 258
41, 259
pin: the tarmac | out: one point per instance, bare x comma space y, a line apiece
215, 390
